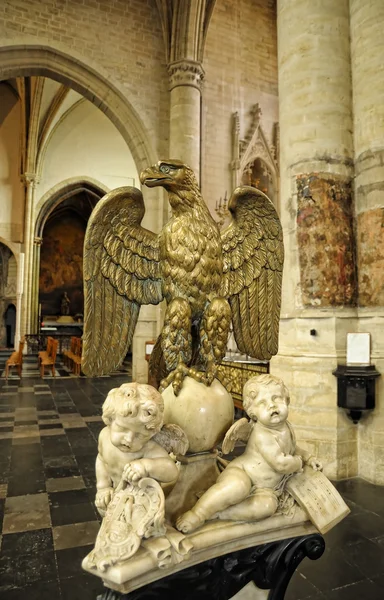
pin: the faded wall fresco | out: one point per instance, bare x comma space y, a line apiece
61, 265
326, 241
370, 231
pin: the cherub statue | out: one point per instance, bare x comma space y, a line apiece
132, 466
133, 444
249, 487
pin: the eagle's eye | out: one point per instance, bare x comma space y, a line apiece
164, 169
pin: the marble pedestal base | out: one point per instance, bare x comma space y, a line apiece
269, 566
214, 539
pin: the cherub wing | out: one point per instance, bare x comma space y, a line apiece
121, 272
241, 430
253, 254
172, 438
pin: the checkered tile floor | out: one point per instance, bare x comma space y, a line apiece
48, 446
48, 523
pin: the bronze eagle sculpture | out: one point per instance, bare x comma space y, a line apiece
207, 278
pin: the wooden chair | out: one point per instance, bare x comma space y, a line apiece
43, 354
69, 354
77, 358
50, 360
15, 360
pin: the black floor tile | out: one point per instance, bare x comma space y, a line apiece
55, 446
69, 561
82, 442
62, 466
68, 498
354, 529
66, 409
47, 417
364, 590
368, 558
20, 571
76, 513
41, 590
31, 483
28, 542
331, 571
50, 426
82, 587
45, 403
300, 588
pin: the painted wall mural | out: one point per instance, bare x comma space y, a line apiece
370, 230
61, 266
326, 240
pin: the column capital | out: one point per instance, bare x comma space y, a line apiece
186, 72
30, 179
37, 241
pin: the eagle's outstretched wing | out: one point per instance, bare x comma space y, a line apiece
241, 430
121, 272
253, 264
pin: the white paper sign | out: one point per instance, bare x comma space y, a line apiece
358, 349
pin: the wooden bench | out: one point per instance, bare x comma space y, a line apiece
15, 360
49, 360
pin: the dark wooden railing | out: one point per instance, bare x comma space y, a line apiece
37, 342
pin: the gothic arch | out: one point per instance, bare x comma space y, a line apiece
63, 190
64, 65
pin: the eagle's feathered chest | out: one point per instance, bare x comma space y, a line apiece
190, 259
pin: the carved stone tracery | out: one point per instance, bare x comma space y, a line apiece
253, 147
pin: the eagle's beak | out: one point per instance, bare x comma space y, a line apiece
151, 177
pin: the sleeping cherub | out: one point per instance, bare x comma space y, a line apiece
135, 444
249, 487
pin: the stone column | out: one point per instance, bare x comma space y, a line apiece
367, 54
35, 284
186, 77
316, 167
19, 296
30, 181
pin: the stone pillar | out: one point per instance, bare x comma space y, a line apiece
30, 181
186, 77
367, 55
35, 285
19, 296
316, 167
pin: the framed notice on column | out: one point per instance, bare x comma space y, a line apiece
358, 349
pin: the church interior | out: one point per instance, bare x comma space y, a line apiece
285, 96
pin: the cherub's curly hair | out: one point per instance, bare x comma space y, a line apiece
135, 400
253, 387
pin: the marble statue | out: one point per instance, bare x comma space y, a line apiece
133, 466
162, 508
65, 305
130, 446
249, 487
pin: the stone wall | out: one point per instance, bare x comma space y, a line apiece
240, 65
122, 37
